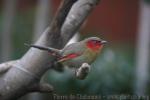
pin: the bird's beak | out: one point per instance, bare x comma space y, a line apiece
103, 42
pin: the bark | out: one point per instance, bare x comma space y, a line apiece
27, 71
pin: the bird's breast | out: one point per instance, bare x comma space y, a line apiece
90, 55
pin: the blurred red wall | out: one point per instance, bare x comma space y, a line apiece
116, 19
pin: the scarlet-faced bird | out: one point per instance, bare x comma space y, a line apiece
75, 54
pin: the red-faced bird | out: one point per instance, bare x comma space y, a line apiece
75, 54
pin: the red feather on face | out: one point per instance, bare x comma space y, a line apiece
94, 45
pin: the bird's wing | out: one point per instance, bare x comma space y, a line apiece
69, 56
71, 51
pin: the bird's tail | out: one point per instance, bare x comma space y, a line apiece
53, 51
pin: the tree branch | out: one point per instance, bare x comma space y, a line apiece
82, 72
15, 82
76, 17
28, 70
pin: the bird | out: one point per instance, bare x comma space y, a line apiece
75, 54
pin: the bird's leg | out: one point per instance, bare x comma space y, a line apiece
83, 71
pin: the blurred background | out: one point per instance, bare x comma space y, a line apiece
121, 69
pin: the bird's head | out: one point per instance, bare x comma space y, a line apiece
94, 43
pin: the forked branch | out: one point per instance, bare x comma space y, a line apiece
24, 73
